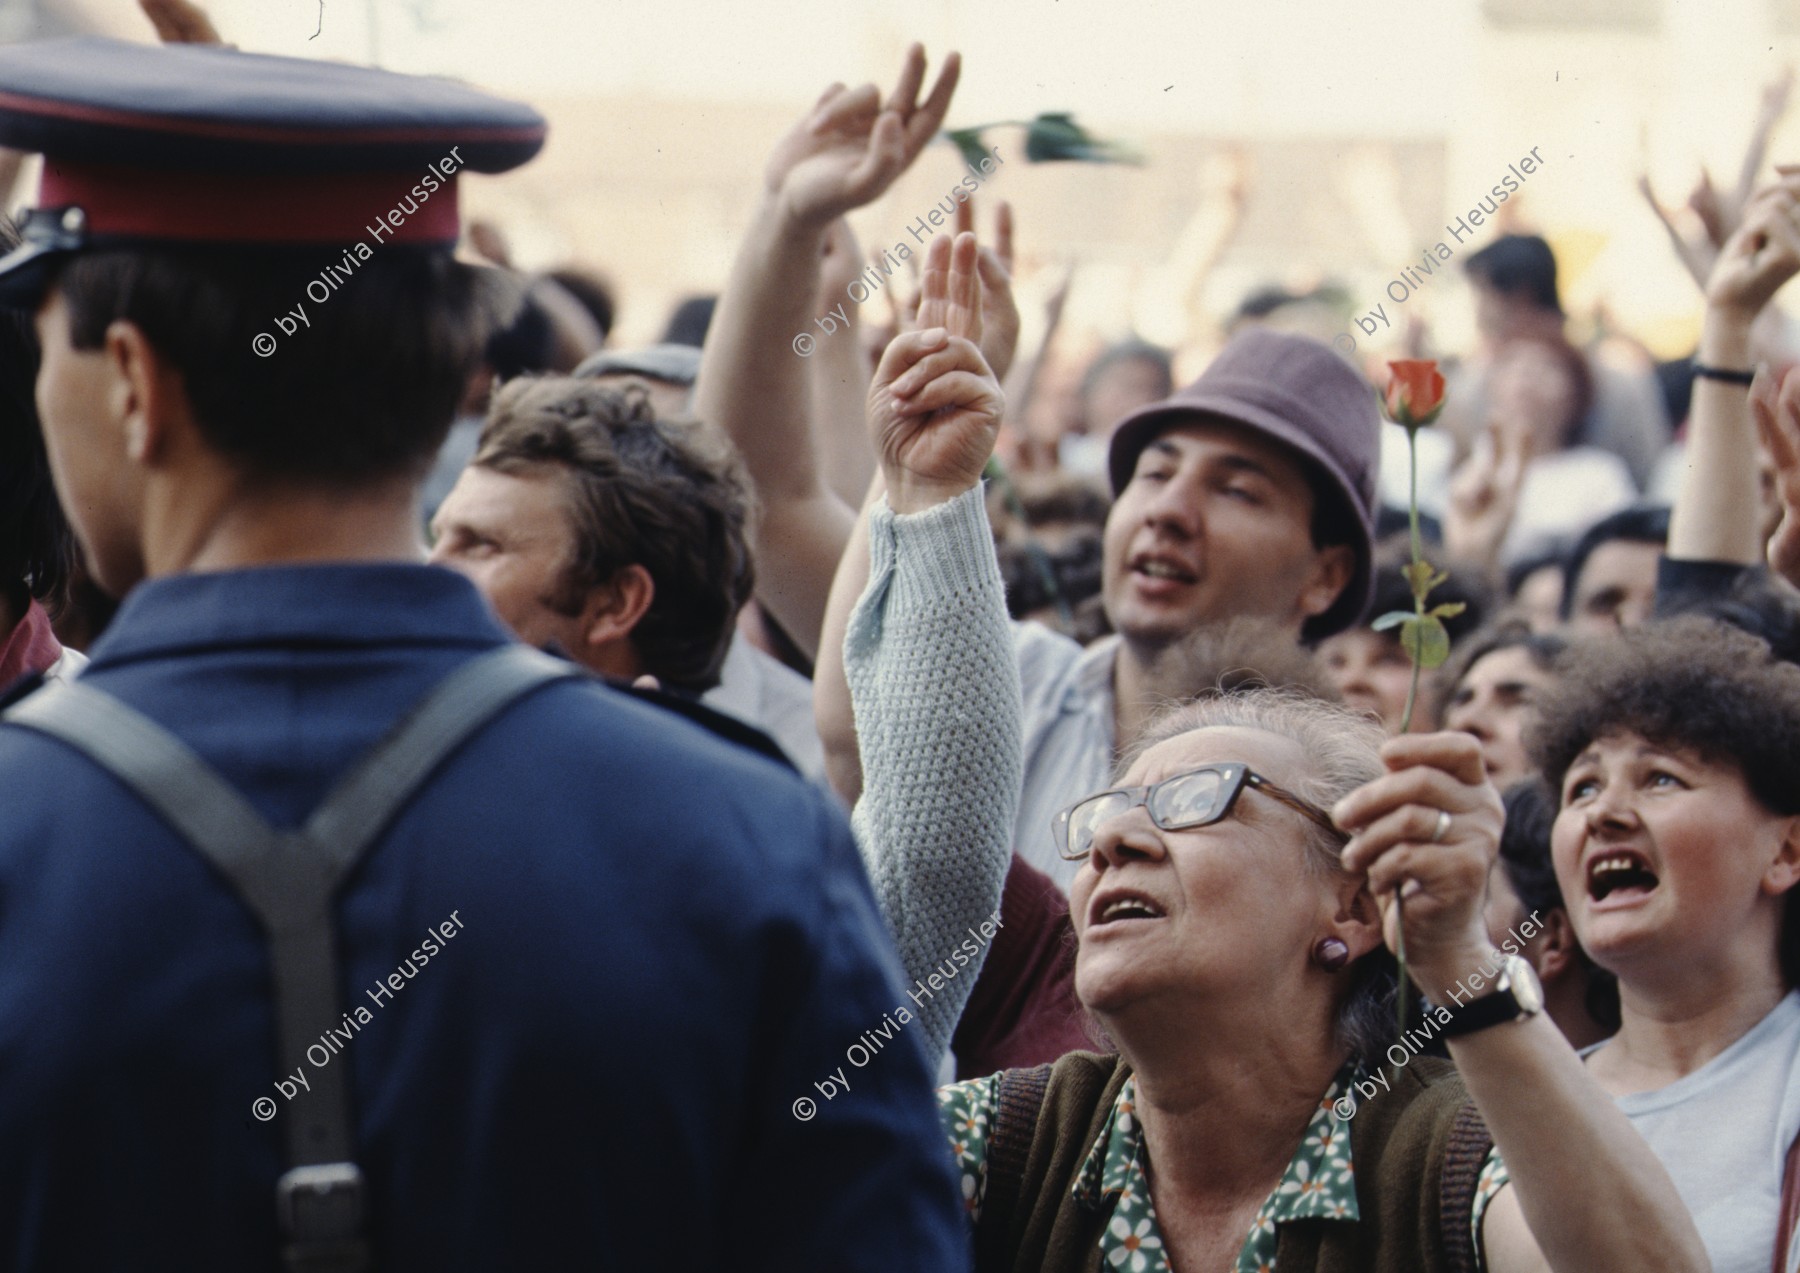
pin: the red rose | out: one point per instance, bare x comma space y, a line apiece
1415, 394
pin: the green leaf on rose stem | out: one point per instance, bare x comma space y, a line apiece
1390, 619
1425, 641
969, 141
1449, 609
1400, 958
1418, 576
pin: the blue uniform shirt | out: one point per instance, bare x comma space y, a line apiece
661, 944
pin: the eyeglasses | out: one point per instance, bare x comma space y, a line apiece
1197, 798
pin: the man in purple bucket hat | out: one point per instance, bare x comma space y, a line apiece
1250, 492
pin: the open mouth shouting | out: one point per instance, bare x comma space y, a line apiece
1618, 878
1118, 909
1158, 572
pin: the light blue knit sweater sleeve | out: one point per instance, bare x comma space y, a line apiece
934, 686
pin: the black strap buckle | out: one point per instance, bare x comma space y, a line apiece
320, 1209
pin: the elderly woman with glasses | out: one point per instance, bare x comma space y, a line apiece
1260, 1112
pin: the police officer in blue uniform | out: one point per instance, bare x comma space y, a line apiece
337, 932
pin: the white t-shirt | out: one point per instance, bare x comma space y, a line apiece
1723, 1133
1565, 493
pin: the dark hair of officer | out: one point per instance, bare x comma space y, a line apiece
364, 394
671, 496
37, 552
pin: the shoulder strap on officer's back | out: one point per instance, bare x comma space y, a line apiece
289, 880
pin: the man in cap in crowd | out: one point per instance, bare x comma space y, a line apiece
312, 945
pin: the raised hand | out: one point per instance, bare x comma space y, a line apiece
1696, 255
1776, 406
851, 146
1484, 496
1763, 254
1431, 825
934, 409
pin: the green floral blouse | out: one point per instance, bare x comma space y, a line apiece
1319, 1181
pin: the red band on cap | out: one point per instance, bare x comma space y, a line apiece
274, 211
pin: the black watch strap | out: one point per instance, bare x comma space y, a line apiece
1515, 994
1478, 1014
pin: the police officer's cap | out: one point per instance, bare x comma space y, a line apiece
199, 145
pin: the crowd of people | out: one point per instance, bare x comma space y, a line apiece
764, 744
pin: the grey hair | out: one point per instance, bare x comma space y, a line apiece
1342, 752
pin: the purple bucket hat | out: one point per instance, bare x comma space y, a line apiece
1299, 393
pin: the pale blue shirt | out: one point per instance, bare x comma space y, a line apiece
1068, 735
1723, 1133
766, 693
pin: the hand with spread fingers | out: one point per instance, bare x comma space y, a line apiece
755, 383
852, 145
1430, 825
1763, 254
934, 409
1719, 513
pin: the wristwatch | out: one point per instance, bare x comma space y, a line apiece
1515, 994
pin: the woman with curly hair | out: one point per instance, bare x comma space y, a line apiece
1675, 749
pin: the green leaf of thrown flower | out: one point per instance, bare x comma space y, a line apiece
969, 141
1448, 609
1055, 136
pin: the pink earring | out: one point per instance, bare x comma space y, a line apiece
1331, 954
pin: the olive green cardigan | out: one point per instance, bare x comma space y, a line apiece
1416, 1150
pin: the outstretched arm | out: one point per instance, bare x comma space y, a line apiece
928, 653
1717, 512
840, 375
1586, 1192
977, 283
754, 382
